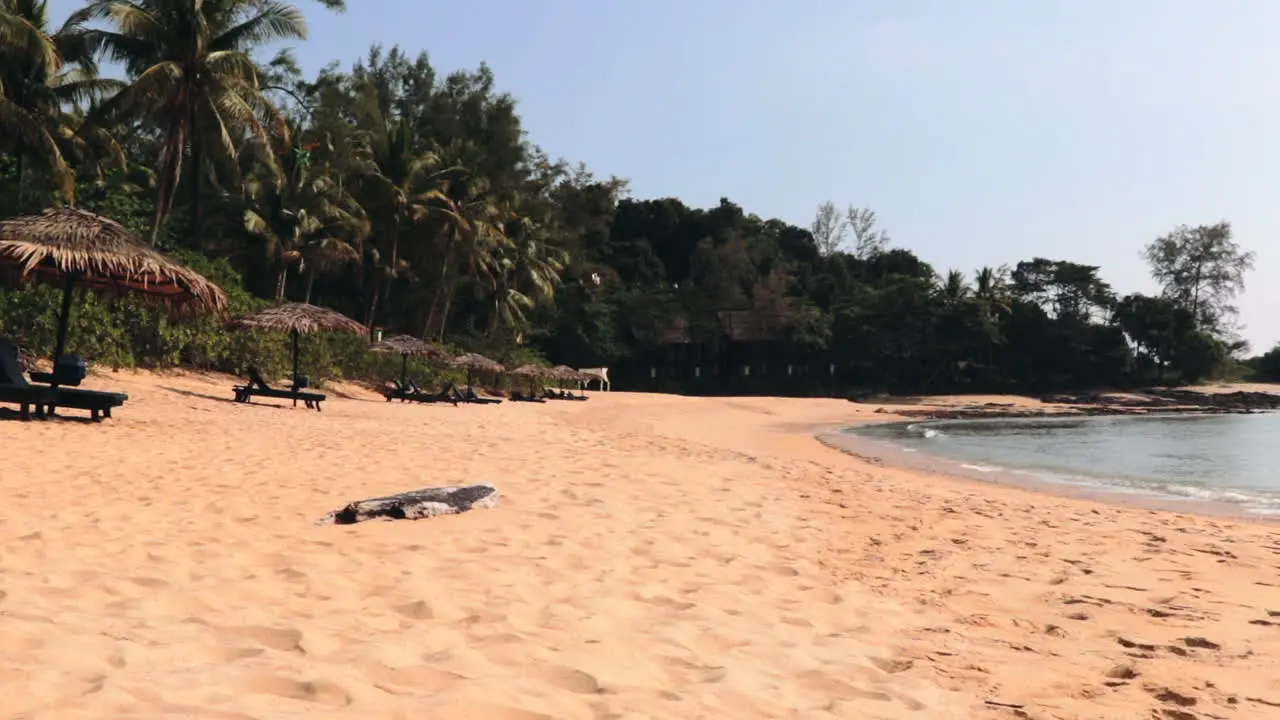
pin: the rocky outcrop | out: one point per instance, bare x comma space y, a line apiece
415, 505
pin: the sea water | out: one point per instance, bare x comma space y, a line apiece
1231, 459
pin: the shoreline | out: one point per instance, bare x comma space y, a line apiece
886, 454
1176, 402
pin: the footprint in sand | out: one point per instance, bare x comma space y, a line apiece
319, 691
567, 678
667, 603
484, 711
686, 673
417, 610
149, 582
231, 654
284, 640
891, 666
417, 679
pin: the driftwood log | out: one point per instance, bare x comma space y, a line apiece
415, 504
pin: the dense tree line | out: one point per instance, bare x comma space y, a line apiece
414, 202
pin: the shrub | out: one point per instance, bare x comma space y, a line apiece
135, 331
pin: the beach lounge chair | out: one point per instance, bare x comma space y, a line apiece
469, 395
408, 391
517, 396
563, 395
258, 387
397, 391
448, 394
14, 388
98, 403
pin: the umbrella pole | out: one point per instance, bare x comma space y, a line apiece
64, 318
404, 367
295, 335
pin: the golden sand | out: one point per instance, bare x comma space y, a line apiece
651, 557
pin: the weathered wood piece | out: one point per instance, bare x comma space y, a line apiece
415, 504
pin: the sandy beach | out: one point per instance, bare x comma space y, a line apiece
651, 557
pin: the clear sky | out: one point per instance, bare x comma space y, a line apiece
981, 131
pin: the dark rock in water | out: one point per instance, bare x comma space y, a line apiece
416, 504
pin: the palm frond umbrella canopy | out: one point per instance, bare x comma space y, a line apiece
531, 371
407, 345
76, 248
564, 372
568, 374
299, 318
473, 363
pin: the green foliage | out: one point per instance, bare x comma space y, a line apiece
412, 201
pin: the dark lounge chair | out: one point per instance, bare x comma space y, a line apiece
563, 395
448, 394
408, 391
397, 391
517, 396
469, 395
70, 371
14, 388
258, 387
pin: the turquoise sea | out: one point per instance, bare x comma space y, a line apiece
1222, 459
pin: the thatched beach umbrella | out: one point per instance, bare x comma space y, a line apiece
531, 371
76, 248
299, 318
568, 374
407, 345
476, 363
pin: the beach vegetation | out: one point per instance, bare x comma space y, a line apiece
412, 199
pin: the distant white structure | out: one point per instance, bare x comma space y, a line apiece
601, 376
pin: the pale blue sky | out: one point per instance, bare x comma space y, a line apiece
981, 131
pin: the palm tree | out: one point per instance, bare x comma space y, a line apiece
468, 244
194, 79
42, 73
528, 271
304, 213
401, 186
954, 289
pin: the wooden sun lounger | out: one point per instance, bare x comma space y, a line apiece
258, 387
14, 388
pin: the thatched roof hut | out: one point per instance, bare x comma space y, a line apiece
101, 254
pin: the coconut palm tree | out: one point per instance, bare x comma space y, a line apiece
304, 213
44, 75
528, 271
193, 77
401, 186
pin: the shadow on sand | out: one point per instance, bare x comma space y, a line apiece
202, 396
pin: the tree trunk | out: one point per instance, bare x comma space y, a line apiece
448, 303
281, 277
374, 292
311, 281
170, 167
197, 188
22, 182
162, 192
440, 289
